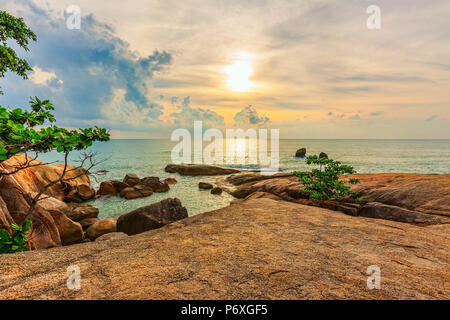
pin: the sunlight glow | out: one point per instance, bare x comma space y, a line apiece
238, 75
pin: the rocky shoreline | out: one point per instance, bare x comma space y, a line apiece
394, 201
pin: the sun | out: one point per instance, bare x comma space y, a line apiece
239, 74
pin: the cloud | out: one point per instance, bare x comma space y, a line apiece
355, 117
376, 113
249, 116
433, 117
96, 70
187, 115
41, 77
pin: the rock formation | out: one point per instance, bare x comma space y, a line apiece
198, 170
152, 216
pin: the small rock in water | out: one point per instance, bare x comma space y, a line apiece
131, 179
170, 180
301, 153
216, 190
205, 185
323, 155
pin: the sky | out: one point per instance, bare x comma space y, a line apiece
312, 69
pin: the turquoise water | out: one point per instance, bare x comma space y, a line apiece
149, 158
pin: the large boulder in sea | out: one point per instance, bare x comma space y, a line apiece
152, 216
301, 153
199, 170
155, 184
138, 191
111, 187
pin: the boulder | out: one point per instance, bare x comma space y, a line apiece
138, 191
86, 223
301, 153
101, 227
112, 236
323, 155
425, 193
383, 211
111, 187
70, 231
80, 212
216, 191
131, 179
34, 178
152, 216
155, 184
205, 185
170, 180
198, 170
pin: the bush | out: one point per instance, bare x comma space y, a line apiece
18, 241
324, 183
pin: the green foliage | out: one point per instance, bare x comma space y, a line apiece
324, 183
12, 28
17, 133
17, 126
18, 241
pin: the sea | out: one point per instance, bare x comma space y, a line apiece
150, 157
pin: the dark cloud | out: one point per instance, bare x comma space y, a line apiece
91, 65
433, 117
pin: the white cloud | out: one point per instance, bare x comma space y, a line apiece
42, 78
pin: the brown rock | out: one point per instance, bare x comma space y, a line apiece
198, 170
426, 193
73, 197
170, 180
301, 153
155, 184
138, 191
82, 211
70, 232
387, 212
33, 179
131, 179
216, 191
86, 223
422, 193
152, 216
85, 192
205, 185
111, 187
290, 251
101, 227
323, 155
112, 236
